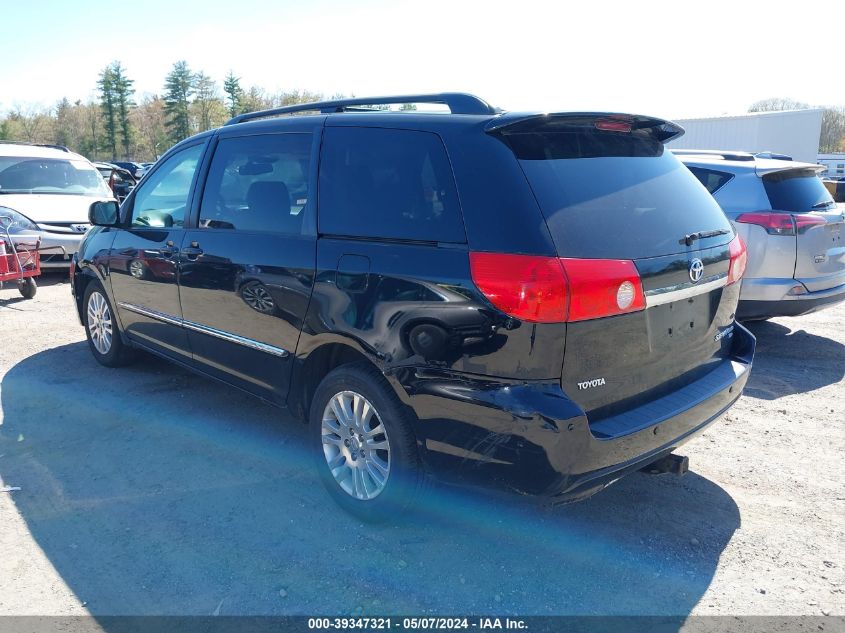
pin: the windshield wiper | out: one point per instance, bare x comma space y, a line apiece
691, 237
822, 204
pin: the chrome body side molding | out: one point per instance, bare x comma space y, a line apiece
204, 329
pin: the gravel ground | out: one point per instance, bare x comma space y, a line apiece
149, 490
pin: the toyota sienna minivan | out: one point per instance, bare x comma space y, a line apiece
541, 302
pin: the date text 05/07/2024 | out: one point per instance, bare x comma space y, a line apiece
415, 624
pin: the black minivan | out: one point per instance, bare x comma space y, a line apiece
542, 302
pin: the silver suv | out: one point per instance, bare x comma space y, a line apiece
49, 189
790, 223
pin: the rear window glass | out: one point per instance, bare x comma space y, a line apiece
614, 196
711, 179
796, 191
394, 184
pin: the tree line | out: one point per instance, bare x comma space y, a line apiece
117, 125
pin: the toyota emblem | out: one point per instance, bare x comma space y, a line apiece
696, 270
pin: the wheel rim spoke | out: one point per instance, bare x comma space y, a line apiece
357, 457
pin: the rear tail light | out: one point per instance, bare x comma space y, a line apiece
781, 223
526, 287
805, 221
602, 287
739, 260
554, 290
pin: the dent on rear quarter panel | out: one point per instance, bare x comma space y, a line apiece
416, 306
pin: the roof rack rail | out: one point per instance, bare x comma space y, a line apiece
11, 142
727, 155
458, 103
773, 155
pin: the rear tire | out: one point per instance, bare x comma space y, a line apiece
364, 449
101, 330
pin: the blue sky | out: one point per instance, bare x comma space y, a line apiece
673, 59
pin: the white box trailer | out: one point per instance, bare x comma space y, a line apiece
791, 132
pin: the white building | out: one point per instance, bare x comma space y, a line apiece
835, 164
791, 132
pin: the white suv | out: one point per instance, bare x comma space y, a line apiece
49, 189
790, 223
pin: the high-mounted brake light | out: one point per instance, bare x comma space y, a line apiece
554, 290
613, 125
739, 260
781, 223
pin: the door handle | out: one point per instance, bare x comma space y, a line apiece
169, 249
192, 252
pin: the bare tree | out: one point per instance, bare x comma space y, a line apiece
832, 138
777, 103
150, 120
35, 123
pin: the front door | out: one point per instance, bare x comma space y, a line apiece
143, 262
247, 269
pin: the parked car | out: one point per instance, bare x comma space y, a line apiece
467, 294
51, 188
791, 224
145, 167
119, 180
136, 169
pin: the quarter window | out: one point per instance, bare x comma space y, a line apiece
711, 179
258, 183
162, 199
392, 184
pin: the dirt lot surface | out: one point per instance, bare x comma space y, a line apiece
149, 490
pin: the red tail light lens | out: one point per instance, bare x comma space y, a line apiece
526, 287
739, 260
602, 287
804, 222
553, 290
774, 223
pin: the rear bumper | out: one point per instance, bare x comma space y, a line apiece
789, 305
531, 438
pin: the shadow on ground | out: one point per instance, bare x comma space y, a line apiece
10, 296
792, 361
156, 492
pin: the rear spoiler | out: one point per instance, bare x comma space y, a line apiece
788, 170
637, 124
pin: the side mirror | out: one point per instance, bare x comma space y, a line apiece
104, 213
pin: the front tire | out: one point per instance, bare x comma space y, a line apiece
101, 329
28, 288
365, 451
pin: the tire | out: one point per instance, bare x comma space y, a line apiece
28, 288
367, 498
101, 330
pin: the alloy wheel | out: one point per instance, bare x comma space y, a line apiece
99, 323
355, 445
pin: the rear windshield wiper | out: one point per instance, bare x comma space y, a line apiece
691, 237
822, 204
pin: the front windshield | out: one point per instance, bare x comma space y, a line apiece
51, 176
